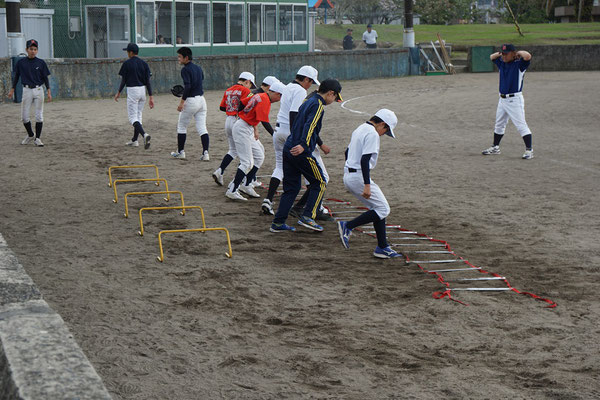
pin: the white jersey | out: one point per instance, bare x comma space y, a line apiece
370, 37
291, 101
365, 140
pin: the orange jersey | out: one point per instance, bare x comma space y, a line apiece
257, 110
232, 98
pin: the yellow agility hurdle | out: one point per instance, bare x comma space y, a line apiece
157, 180
161, 257
183, 208
167, 192
110, 182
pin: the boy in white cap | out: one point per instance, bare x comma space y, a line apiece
265, 85
234, 97
245, 136
361, 158
291, 101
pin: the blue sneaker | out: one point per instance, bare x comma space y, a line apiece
310, 224
344, 233
277, 228
386, 252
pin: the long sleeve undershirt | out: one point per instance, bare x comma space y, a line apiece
364, 167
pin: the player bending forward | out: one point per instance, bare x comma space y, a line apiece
511, 65
361, 158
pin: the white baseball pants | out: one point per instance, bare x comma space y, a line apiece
136, 99
194, 107
245, 145
355, 185
33, 97
229, 122
279, 137
513, 108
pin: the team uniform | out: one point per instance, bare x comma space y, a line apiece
135, 74
370, 38
511, 104
193, 108
33, 73
361, 157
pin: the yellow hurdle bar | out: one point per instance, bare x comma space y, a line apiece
110, 182
167, 192
161, 257
157, 180
141, 231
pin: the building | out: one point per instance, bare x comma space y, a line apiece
102, 28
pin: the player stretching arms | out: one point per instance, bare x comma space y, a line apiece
511, 65
361, 158
135, 74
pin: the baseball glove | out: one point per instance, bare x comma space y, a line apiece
177, 90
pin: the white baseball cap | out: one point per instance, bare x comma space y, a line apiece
269, 80
249, 77
277, 87
309, 72
389, 118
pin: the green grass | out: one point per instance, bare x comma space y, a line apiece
477, 34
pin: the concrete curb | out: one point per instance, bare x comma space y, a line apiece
39, 359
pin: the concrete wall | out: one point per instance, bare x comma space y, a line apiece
5, 78
39, 359
561, 58
92, 78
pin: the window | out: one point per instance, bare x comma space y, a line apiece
118, 22
285, 23
270, 27
299, 23
183, 25
145, 22
219, 23
201, 23
254, 22
163, 21
236, 23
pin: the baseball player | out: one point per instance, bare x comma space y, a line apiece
135, 74
192, 104
234, 97
361, 158
33, 73
291, 101
245, 135
298, 159
511, 65
266, 83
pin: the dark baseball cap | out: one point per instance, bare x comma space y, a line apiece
31, 42
507, 48
331, 84
369, 26
349, 30
134, 48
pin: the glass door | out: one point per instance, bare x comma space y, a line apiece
107, 31
118, 30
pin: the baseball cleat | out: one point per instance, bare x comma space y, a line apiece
132, 143
528, 155
386, 252
235, 195
147, 142
249, 190
256, 183
218, 177
27, 140
38, 142
267, 207
491, 150
205, 156
278, 228
178, 154
310, 224
324, 216
344, 233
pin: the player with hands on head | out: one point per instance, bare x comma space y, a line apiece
33, 73
512, 65
361, 157
135, 74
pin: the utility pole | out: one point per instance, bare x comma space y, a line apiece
16, 39
408, 38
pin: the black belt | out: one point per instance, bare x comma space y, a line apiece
352, 170
32, 87
508, 95
277, 124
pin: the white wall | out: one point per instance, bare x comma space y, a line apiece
35, 24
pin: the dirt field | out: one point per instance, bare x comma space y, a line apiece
296, 315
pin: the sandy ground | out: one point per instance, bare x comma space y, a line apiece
296, 315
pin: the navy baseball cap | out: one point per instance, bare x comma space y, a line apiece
31, 42
331, 84
134, 48
507, 48
369, 26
